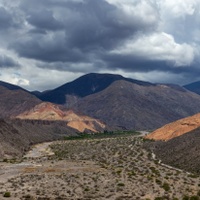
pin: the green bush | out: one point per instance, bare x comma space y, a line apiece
121, 184
194, 198
166, 186
7, 194
186, 198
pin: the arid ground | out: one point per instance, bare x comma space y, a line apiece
108, 168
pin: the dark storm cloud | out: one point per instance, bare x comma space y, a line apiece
134, 37
142, 64
7, 62
6, 20
75, 31
44, 19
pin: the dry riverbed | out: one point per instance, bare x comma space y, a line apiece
111, 168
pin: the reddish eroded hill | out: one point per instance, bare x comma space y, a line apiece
52, 112
176, 128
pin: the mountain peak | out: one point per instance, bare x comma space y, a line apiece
83, 86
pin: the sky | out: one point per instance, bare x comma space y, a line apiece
46, 43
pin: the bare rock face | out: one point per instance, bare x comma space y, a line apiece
53, 112
176, 128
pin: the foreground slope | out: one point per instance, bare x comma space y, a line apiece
136, 106
107, 168
52, 112
182, 152
176, 128
16, 136
14, 100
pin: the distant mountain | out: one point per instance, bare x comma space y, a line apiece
113, 99
194, 87
52, 112
11, 86
83, 86
15, 100
182, 152
139, 106
176, 128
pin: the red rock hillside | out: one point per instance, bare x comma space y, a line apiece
176, 128
49, 111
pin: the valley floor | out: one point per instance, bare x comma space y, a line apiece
111, 168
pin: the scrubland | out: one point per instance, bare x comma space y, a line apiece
105, 168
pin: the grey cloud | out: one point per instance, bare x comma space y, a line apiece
48, 48
6, 20
90, 27
7, 62
44, 19
136, 36
141, 64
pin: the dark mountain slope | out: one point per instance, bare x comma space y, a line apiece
15, 101
16, 136
194, 87
182, 152
83, 86
139, 106
11, 86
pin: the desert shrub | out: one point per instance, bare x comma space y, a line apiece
159, 198
121, 184
7, 194
158, 181
194, 198
166, 186
186, 197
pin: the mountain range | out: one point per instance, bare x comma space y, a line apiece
93, 102
124, 102
114, 100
